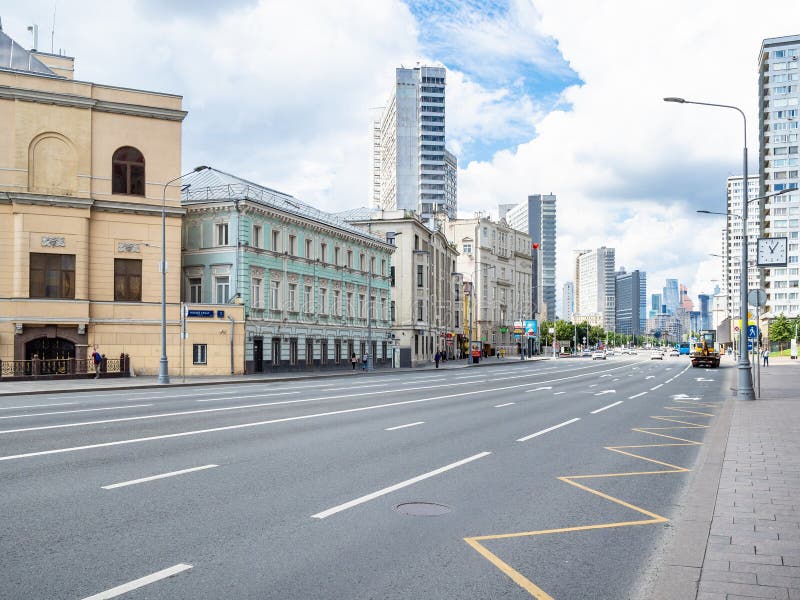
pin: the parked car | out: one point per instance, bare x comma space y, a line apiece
656, 355
599, 355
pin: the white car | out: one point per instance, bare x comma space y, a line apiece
598, 355
656, 355
674, 352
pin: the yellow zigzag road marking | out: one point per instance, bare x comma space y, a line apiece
527, 584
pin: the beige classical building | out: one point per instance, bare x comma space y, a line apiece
83, 169
426, 311
496, 259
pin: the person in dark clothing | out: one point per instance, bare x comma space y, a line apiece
353, 360
437, 358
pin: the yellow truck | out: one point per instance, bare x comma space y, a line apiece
705, 353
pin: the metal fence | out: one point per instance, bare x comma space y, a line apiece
63, 368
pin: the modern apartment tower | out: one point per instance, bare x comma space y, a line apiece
595, 287
411, 169
779, 116
537, 217
631, 301
568, 301
733, 250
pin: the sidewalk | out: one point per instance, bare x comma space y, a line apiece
738, 535
753, 549
43, 386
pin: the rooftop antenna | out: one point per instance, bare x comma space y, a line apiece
53, 30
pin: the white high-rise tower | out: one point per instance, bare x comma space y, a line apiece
411, 169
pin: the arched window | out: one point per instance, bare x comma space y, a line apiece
127, 172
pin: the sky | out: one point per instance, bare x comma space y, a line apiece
543, 96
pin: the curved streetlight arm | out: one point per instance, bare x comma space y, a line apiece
745, 389
163, 365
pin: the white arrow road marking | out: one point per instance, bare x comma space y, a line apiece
650, 377
604, 392
685, 397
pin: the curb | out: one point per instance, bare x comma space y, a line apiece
678, 575
233, 379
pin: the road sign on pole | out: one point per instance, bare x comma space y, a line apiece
752, 331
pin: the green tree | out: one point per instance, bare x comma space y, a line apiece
781, 329
596, 334
565, 331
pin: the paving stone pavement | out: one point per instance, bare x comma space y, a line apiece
753, 549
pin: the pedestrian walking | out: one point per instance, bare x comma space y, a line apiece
765, 354
437, 358
97, 359
365, 360
353, 360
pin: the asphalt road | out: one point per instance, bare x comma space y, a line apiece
463, 483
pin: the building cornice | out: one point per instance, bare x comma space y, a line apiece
135, 208
75, 101
99, 205
45, 200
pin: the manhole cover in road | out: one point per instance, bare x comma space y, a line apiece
422, 509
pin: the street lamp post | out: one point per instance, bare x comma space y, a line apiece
745, 379
163, 366
744, 277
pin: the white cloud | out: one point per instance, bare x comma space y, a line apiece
630, 170
278, 91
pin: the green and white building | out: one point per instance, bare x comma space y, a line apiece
316, 289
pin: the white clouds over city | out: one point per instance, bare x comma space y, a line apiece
280, 92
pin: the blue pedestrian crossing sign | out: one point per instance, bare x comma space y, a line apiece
752, 331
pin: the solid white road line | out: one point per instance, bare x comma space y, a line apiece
230, 408
397, 486
656, 387
502, 405
636, 395
404, 426
594, 412
38, 405
69, 412
114, 486
350, 387
251, 396
539, 389
282, 420
141, 582
559, 393
538, 433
